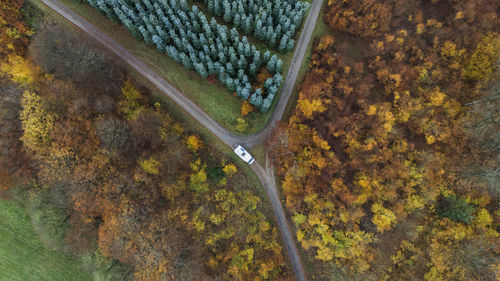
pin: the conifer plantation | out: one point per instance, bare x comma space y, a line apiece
202, 45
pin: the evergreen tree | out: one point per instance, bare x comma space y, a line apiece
283, 44
200, 68
206, 50
278, 79
184, 5
241, 73
230, 84
253, 69
268, 83
210, 5
271, 64
245, 80
154, 20
247, 51
230, 68
222, 58
242, 63
234, 34
217, 8
148, 5
279, 65
290, 44
237, 20
259, 30
203, 41
247, 25
222, 75
228, 13
455, 208
162, 33
245, 93
232, 56
266, 104
173, 53
272, 91
256, 58
210, 67
239, 89
108, 12
186, 61
213, 52
159, 43
256, 98
266, 57
145, 35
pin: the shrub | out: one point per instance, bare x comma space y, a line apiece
454, 208
114, 135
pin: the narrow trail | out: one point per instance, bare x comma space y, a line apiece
266, 175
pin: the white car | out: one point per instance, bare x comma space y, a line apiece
243, 154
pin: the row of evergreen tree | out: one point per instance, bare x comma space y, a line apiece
204, 46
272, 21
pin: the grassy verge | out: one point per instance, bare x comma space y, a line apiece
259, 153
22, 255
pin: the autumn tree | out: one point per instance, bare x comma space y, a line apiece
391, 142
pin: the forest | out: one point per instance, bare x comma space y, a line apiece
389, 162
131, 183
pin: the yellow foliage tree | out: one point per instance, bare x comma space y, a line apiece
245, 108
310, 106
485, 58
37, 122
241, 124
130, 105
230, 170
198, 180
325, 42
383, 218
21, 70
194, 143
150, 166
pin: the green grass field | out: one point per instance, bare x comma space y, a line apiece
22, 255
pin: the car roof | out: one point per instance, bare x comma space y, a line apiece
243, 153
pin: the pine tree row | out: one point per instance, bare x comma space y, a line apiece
200, 45
272, 21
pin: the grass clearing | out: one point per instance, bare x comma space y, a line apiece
22, 255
